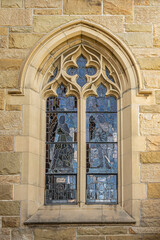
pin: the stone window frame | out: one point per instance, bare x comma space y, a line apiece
31, 94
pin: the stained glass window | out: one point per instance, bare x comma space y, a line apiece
61, 148
101, 152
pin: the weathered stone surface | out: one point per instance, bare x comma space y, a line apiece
149, 108
118, 7
150, 222
9, 162
150, 157
6, 64
10, 121
26, 40
150, 236
55, 234
2, 99
156, 36
9, 179
147, 14
13, 107
91, 238
150, 208
124, 237
150, 173
155, 2
153, 143
26, 29
145, 230
151, 79
48, 11
146, 52
11, 3
82, 7
137, 39
149, 124
9, 208
157, 95
6, 192
129, 19
6, 144
149, 63
10, 222
15, 17
141, 2
13, 53
138, 27
4, 31
154, 190
43, 4
101, 230
22, 234
5, 234
3, 42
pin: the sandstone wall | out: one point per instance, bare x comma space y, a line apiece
22, 24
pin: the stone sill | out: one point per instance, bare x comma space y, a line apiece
86, 215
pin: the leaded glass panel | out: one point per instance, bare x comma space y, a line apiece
61, 148
101, 152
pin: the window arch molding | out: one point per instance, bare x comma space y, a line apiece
31, 89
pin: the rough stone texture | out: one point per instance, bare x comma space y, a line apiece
147, 14
150, 208
2, 99
124, 237
149, 63
137, 39
149, 109
82, 7
6, 192
5, 234
155, 2
150, 157
138, 28
20, 40
22, 234
154, 190
15, 17
146, 52
9, 208
141, 2
150, 173
43, 3
13, 53
6, 144
101, 230
21, 29
48, 11
11, 3
13, 107
10, 222
149, 124
3, 42
3, 31
151, 79
156, 35
157, 95
118, 7
153, 143
129, 19
55, 234
9, 162
91, 238
9, 179
10, 121
150, 222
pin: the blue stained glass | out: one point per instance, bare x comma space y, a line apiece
54, 74
108, 75
81, 71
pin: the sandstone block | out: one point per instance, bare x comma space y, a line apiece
48, 11
156, 36
91, 238
150, 173
149, 63
10, 121
20, 234
128, 19
6, 143
101, 230
151, 79
13, 53
124, 237
147, 14
10, 222
43, 4
9, 163
9, 78
6, 192
9, 208
10, 64
118, 7
5, 234
141, 2
3, 42
15, 17
149, 109
150, 157
20, 40
150, 222
11, 3
55, 234
153, 143
26, 29
155, 2
13, 107
154, 190
4, 31
149, 124
82, 7
138, 27
137, 39
7, 179
2, 99
146, 52
157, 94
150, 208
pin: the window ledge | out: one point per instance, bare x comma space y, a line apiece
68, 215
